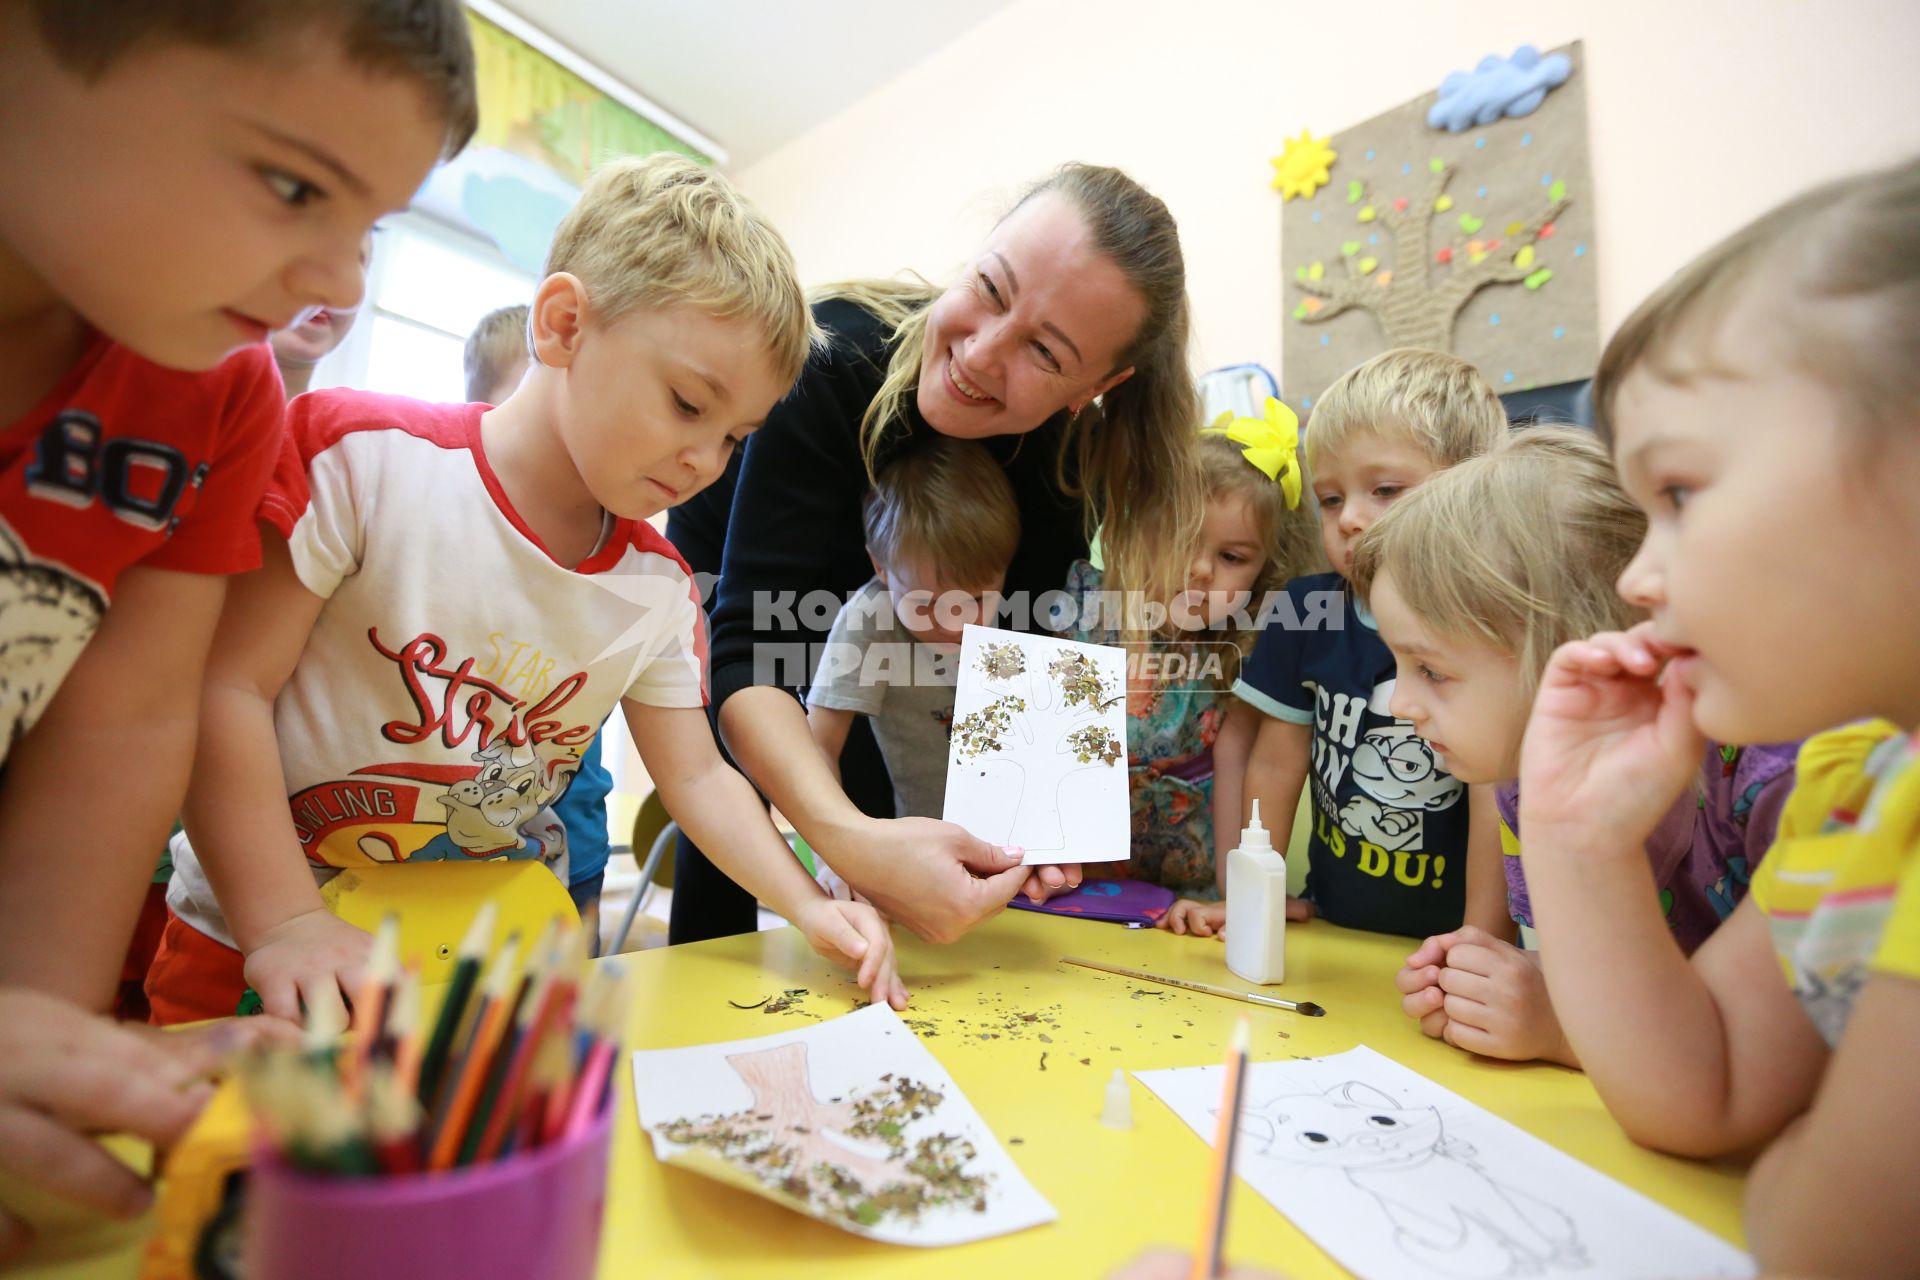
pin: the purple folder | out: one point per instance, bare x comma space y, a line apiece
1134, 903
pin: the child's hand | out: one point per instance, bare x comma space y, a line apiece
66, 1073
311, 957
855, 935
1049, 880
1611, 743
1201, 919
1418, 981
1495, 999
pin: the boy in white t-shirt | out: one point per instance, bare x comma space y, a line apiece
458, 596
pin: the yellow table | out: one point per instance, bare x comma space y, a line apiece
989, 1007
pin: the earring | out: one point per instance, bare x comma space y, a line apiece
1074, 417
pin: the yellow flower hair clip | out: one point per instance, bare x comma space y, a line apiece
1270, 442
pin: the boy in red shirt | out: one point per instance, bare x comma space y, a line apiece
172, 194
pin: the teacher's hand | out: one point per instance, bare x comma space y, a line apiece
932, 876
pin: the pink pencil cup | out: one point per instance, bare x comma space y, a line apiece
536, 1214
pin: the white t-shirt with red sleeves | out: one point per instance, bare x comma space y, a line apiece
456, 671
122, 465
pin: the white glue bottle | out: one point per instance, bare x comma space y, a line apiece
1257, 906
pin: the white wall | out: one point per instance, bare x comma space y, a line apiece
1702, 113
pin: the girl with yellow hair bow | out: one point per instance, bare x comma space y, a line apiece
1253, 538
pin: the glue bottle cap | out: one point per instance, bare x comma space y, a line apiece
1255, 836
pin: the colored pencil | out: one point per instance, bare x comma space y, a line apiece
525, 1055
1306, 1008
404, 1031
470, 1076
466, 971
393, 1121
536, 1018
1208, 1253
591, 1086
371, 1001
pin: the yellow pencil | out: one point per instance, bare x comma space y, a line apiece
1208, 1253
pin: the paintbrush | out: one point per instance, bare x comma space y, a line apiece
1307, 1008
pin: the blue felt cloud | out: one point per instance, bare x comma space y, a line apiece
1498, 87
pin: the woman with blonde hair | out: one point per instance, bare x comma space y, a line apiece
1062, 347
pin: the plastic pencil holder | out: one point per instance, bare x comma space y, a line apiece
531, 1214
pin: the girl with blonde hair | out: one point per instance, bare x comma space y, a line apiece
1476, 577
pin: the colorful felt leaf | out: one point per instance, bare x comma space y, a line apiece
1367, 265
1367, 213
1558, 191
1524, 258
1354, 190
1471, 224
1443, 204
1436, 164
1316, 271
1538, 278
1349, 247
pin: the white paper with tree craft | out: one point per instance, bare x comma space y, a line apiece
850, 1121
1038, 757
1397, 1177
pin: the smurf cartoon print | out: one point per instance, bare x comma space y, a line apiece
1376, 774
1400, 783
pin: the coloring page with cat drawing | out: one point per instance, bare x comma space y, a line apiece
1400, 1179
1038, 756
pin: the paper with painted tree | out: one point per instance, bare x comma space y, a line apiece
1398, 1178
850, 1121
1038, 756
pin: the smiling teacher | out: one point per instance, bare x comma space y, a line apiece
1062, 348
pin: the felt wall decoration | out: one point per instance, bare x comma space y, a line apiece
1301, 167
1498, 87
1479, 243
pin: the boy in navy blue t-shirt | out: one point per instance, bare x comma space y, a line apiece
1391, 828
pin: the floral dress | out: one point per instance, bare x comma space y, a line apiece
1171, 726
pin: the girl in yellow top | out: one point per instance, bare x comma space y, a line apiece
1764, 410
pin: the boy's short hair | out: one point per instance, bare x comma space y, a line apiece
949, 504
425, 41
1437, 402
1520, 547
661, 230
494, 344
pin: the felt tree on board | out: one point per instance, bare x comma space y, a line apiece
1417, 294
847, 1158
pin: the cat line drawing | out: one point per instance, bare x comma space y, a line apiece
1449, 1215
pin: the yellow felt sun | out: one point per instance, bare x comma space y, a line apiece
1301, 167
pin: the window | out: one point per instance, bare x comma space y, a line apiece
429, 285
